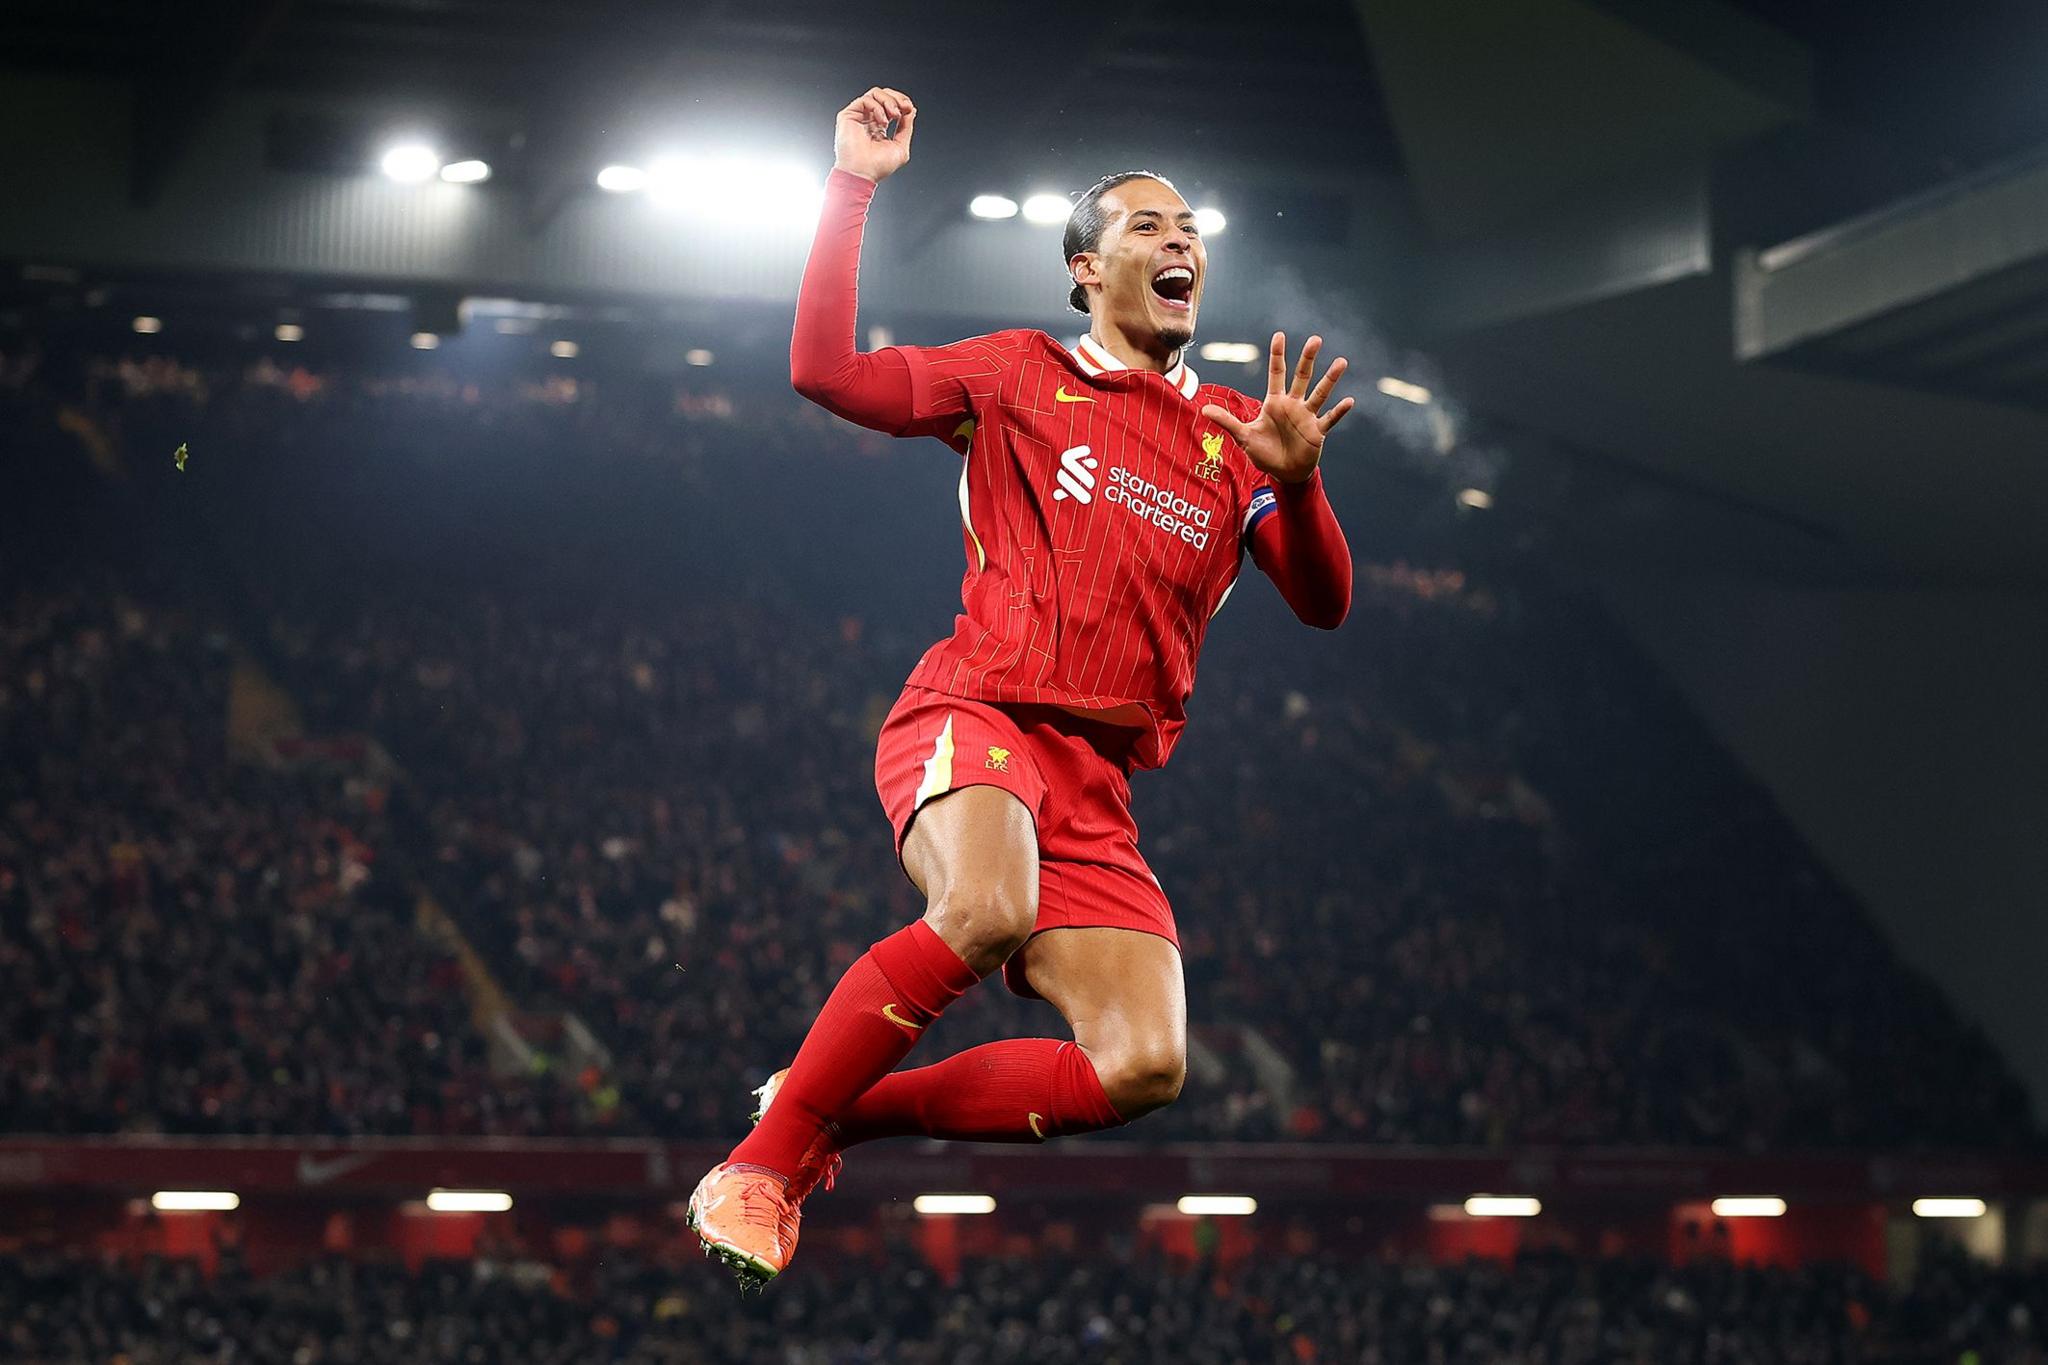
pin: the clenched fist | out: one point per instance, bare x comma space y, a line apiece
861, 142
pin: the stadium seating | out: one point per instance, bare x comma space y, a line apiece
188, 945
1109, 1305
1464, 873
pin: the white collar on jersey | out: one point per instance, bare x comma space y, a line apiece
1094, 359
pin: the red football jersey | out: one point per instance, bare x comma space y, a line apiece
1104, 520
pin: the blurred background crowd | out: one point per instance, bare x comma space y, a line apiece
1464, 873
1062, 1309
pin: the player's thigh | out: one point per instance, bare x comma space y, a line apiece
973, 853
1122, 993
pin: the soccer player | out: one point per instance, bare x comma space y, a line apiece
1107, 497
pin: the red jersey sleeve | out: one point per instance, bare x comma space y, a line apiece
1296, 541
901, 390
825, 364
1292, 534
955, 383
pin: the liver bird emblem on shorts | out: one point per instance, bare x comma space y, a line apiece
999, 759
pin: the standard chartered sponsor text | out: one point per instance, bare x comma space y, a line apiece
1163, 507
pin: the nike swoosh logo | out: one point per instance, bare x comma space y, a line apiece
889, 1013
313, 1171
1060, 395
1036, 1131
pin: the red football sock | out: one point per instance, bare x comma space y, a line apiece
1019, 1090
872, 1019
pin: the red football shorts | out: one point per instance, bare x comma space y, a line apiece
1072, 773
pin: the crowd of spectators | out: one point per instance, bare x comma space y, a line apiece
192, 945
1125, 1306
1462, 873
1397, 911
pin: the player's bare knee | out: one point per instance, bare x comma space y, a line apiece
1144, 1077
984, 922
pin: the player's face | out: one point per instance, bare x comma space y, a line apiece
1151, 263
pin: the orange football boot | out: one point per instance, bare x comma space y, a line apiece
745, 1217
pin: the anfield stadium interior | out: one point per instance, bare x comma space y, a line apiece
441, 664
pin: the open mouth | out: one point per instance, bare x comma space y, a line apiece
1175, 287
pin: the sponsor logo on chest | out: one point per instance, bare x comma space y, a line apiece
1166, 511
1076, 475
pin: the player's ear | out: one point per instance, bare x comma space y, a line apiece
1086, 268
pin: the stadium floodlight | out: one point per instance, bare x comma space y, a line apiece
147, 325
697, 355
191, 1201
622, 179
469, 1201
1477, 499
1502, 1206
289, 331
1948, 1208
409, 163
739, 190
1209, 221
1403, 390
954, 1203
992, 206
470, 172
1047, 209
1749, 1206
668, 181
425, 341
516, 327
1218, 1205
1231, 352
563, 350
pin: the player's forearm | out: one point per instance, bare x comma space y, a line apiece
825, 363
1302, 549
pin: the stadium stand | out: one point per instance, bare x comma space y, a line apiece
194, 946
1459, 875
1125, 1305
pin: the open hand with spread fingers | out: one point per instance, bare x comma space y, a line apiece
861, 141
1286, 438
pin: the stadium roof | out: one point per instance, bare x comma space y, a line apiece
1288, 84
1561, 184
